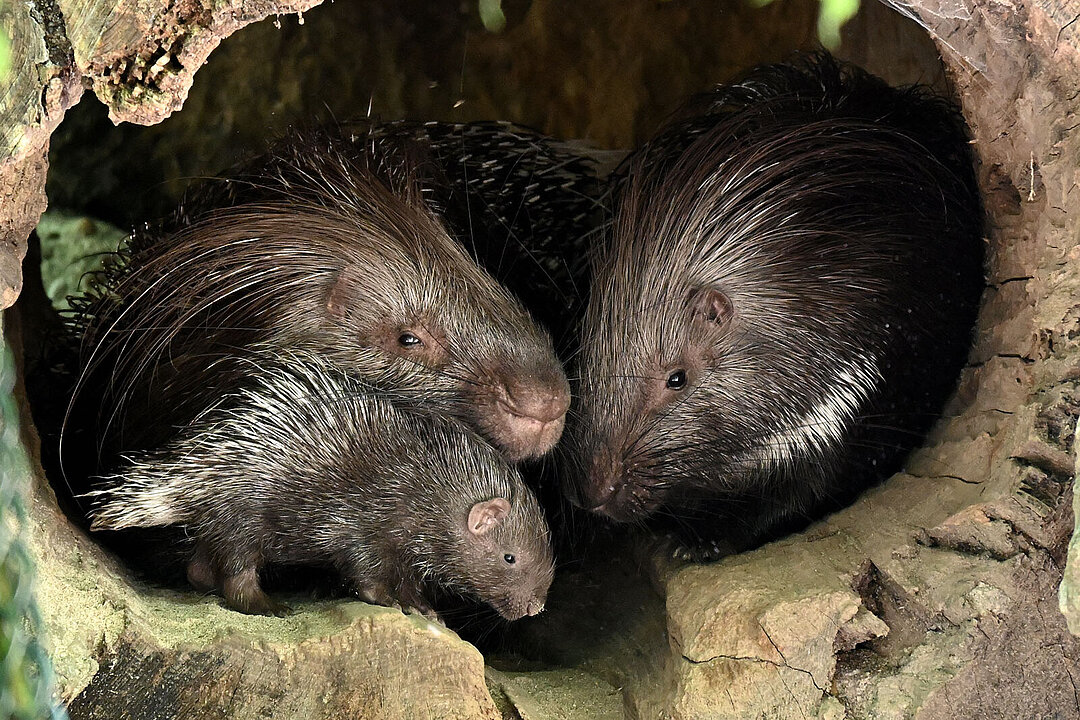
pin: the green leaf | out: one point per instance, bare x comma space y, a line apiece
492, 16
833, 15
831, 18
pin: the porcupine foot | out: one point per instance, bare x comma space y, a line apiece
242, 592
376, 593
410, 600
200, 571
697, 550
413, 602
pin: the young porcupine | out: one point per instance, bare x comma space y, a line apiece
326, 246
782, 304
305, 465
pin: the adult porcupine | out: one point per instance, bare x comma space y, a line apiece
329, 250
782, 304
523, 204
306, 465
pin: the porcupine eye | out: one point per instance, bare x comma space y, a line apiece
416, 344
676, 380
510, 559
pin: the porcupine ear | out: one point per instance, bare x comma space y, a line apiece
709, 305
486, 515
344, 292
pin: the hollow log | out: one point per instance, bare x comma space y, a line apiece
939, 594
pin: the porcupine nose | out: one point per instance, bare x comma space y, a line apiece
605, 489
534, 413
537, 402
535, 607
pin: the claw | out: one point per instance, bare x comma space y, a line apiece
242, 592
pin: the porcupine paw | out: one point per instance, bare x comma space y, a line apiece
698, 550
378, 594
413, 602
242, 592
201, 574
375, 593
427, 612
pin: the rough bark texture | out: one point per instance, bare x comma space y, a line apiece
139, 58
41, 85
935, 596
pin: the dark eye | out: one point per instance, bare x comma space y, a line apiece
409, 340
509, 558
676, 380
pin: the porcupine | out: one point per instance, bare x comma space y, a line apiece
327, 250
304, 464
526, 206
781, 306
523, 204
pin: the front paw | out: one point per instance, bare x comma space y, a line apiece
694, 550
426, 611
242, 592
410, 602
375, 593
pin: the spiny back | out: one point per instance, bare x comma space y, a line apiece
299, 428
524, 205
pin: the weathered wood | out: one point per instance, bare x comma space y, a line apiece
40, 86
351, 661
140, 59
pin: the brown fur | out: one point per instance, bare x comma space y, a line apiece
339, 256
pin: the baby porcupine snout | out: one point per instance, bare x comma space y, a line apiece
528, 607
529, 600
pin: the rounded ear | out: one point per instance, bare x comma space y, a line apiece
487, 514
711, 305
344, 293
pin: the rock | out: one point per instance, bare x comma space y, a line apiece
972, 530
555, 695
758, 633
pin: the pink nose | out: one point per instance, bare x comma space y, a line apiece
528, 419
541, 405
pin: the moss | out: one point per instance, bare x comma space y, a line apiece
72, 246
561, 694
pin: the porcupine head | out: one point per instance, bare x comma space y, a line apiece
354, 266
505, 557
